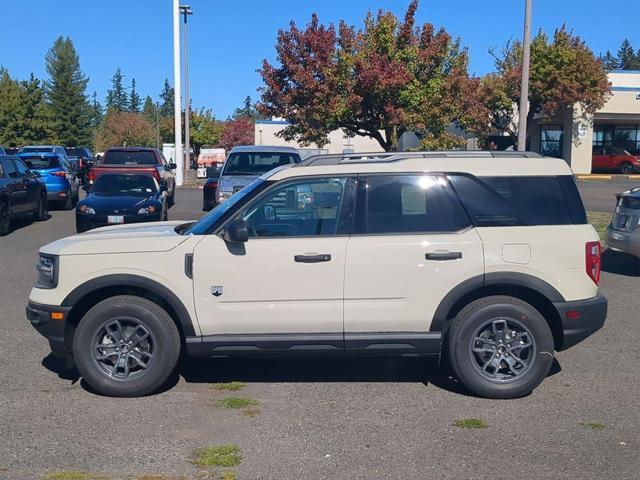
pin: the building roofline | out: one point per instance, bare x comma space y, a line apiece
272, 122
624, 71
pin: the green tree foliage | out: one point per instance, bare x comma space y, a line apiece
124, 129
627, 57
24, 115
204, 129
117, 98
149, 110
65, 94
167, 96
248, 109
381, 81
564, 73
609, 61
134, 98
96, 111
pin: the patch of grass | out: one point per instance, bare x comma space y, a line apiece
73, 475
593, 425
470, 423
230, 386
153, 476
217, 456
600, 221
251, 412
237, 402
229, 475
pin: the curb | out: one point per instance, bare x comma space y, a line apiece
589, 176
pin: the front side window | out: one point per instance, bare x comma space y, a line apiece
22, 168
411, 204
10, 168
299, 208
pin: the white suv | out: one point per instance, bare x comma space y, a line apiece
484, 258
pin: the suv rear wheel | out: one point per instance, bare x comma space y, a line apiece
126, 346
5, 219
500, 347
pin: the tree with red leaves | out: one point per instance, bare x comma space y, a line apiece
381, 81
237, 131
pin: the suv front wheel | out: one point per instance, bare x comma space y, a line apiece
126, 346
500, 347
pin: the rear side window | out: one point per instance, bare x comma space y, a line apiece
573, 199
517, 201
10, 167
121, 157
411, 204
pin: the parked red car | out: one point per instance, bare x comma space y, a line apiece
614, 159
137, 160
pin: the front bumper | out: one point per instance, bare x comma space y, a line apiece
580, 319
88, 222
628, 242
53, 329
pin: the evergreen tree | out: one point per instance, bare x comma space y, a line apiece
627, 56
65, 94
117, 96
96, 111
248, 109
149, 110
167, 98
610, 61
134, 98
35, 114
11, 101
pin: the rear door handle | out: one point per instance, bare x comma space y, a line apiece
440, 256
322, 257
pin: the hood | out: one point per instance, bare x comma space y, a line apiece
235, 182
128, 238
105, 203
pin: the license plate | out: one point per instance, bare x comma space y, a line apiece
115, 219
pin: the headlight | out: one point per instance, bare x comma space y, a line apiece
221, 196
86, 210
47, 269
147, 210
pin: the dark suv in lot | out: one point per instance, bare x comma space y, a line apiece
21, 192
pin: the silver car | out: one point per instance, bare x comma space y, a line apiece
246, 163
623, 233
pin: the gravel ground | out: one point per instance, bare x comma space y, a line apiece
321, 419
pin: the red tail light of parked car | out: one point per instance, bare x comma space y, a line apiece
593, 256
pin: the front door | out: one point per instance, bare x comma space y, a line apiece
16, 187
413, 246
288, 278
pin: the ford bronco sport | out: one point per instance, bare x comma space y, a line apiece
485, 258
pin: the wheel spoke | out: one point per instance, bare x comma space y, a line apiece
512, 362
494, 363
138, 335
114, 329
499, 327
138, 358
521, 340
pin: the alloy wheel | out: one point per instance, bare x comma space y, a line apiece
502, 350
124, 349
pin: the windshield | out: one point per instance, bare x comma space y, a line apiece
257, 163
206, 223
36, 162
123, 157
36, 149
144, 185
76, 152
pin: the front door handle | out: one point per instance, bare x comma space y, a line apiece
440, 256
322, 257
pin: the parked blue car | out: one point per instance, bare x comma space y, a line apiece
57, 174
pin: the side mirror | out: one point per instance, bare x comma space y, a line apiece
173, 166
236, 232
34, 174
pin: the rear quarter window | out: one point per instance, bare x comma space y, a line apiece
519, 201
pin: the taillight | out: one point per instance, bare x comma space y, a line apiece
156, 175
211, 185
59, 173
593, 255
91, 176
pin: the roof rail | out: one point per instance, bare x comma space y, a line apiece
385, 157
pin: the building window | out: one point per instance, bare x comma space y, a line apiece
621, 136
551, 137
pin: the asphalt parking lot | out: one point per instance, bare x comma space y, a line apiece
321, 419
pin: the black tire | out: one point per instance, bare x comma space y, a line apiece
172, 199
627, 168
42, 212
76, 197
67, 204
468, 364
5, 219
162, 333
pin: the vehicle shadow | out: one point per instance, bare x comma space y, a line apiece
620, 263
23, 221
424, 370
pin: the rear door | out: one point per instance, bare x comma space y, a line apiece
412, 245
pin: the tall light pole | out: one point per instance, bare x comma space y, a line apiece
186, 11
524, 84
176, 97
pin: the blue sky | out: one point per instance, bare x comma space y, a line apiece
229, 39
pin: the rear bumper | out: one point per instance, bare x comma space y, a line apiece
590, 317
628, 242
53, 330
